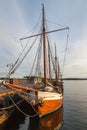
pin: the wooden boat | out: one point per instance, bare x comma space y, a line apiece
48, 95
6, 105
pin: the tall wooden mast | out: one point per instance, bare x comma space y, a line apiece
44, 43
43, 33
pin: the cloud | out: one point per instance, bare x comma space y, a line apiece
12, 25
76, 60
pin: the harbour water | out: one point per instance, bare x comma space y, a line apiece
73, 115
75, 105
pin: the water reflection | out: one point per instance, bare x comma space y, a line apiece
14, 122
34, 123
51, 122
18, 121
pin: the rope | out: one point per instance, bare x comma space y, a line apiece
65, 53
29, 40
21, 110
33, 109
34, 60
5, 108
56, 23
23, 51
18, 107
39, 58
15, 67
15, 104
30, 103
33, 64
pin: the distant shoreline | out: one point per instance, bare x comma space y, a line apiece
62, 78
74, 78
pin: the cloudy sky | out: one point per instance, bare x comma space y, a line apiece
18, 18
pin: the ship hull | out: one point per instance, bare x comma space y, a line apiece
46, 101
50, 103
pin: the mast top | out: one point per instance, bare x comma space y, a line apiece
42, 5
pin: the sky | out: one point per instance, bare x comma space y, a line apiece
19, 17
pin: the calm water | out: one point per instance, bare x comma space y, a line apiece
75, 105
73, 114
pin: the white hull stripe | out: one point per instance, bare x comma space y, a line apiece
49, 96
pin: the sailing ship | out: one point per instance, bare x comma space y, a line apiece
46, 95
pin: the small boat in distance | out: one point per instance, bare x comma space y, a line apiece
46, 93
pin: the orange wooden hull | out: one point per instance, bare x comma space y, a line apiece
49, 106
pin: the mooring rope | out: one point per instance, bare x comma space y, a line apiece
5, 108
15, 104
21, 110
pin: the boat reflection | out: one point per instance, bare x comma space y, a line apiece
14, 122
52, 122
18, 121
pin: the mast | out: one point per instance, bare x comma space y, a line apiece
56, 66
49, 61
44, 43
21, 58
